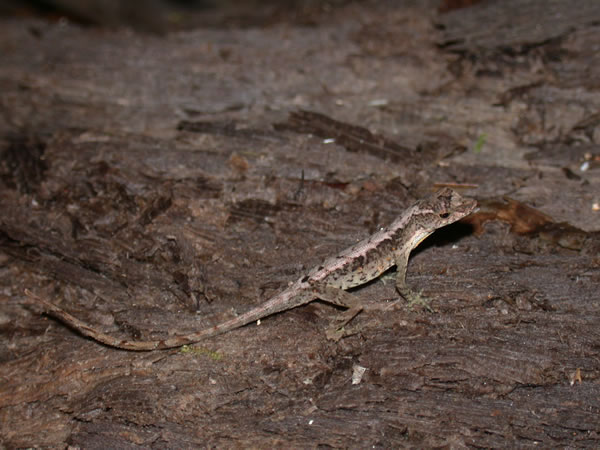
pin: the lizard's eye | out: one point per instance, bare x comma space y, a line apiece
444, 215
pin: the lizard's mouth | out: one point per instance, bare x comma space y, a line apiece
420, 238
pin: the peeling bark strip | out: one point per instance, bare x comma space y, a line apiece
353, 267
351, 137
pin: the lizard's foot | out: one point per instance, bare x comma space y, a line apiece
336, 331
417, 299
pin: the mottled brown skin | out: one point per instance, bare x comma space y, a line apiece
352, 267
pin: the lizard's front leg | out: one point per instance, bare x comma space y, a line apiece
409, 295
338, 297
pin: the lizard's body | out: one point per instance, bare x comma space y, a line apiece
352, 267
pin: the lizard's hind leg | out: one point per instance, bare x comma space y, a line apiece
338, 297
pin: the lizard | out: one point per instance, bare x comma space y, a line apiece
329, 281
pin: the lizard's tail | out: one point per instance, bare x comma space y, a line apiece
138, 346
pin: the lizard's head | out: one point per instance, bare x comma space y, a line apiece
442, 208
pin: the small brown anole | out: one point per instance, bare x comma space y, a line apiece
328, 281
